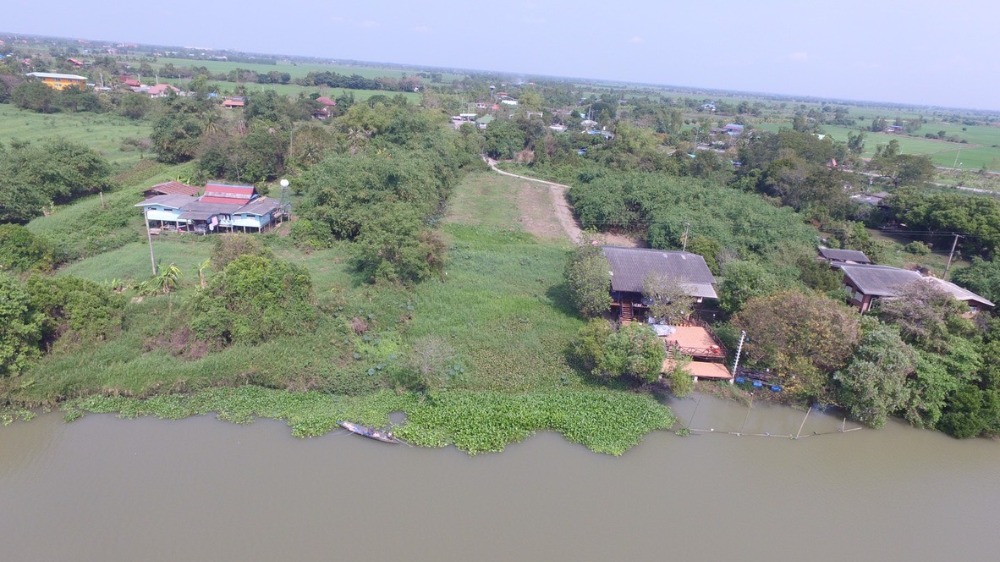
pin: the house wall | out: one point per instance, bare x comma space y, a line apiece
252, 221
162, 214
63, 83
856, 298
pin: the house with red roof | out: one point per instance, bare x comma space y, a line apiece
324, 110
162, 90
234, 102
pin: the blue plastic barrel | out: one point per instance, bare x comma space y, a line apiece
740, 380
757, 384
775, 388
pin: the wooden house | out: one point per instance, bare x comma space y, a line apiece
629, 268
867, 283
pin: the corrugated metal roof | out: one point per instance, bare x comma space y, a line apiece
844, 255
175, 188
56, 76
631, 266
232, 194
174, 201
260, 206
879, 280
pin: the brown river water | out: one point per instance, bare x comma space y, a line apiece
102, 488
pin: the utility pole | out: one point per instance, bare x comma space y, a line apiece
684, 244
149, 237
951, 255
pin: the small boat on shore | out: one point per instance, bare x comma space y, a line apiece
369, 432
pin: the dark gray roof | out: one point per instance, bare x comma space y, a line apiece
199, 210
879, 280
885, 281
960, 293
173, 201
631, 266
844, 255
260, 206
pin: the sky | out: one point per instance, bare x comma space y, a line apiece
915, 52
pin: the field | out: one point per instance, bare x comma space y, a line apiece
101, 132
298, 69
981, 150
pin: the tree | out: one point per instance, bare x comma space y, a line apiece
804, 337
874, 385
669, 301
743, 281
588, 276
395, 247
856, 142
982, 277
634, 350
927, 315
20, 327
503, 139
34, 96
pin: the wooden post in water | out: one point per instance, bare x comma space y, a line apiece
801, 425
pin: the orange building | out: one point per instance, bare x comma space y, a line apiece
60, 81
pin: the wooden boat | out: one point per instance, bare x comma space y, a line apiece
369, 432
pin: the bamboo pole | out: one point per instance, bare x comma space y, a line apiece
799, 432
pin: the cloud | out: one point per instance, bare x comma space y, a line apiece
367, 24
635, 40
799, 56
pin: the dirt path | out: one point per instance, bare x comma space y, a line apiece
557, 196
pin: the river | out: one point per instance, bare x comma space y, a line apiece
102, 488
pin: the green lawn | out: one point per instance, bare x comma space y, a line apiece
101, 132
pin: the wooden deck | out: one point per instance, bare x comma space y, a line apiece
701, 369
695, 341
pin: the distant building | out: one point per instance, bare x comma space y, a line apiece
162, 90
60, 81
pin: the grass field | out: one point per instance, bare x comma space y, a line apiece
298, 69
101, 132
982, 149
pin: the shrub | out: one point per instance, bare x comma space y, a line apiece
20, 250
254, 299
587, 275
228, 247
917, 248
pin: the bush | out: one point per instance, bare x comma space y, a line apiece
20, 250
229, 247
311, 235
20, 327
75, 309
254, 299
917, 248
